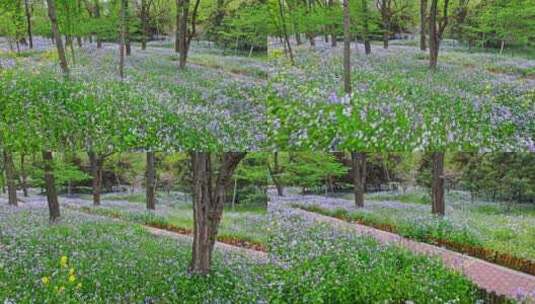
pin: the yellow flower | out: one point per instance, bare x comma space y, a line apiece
64, 261
45, 280
79, 285
72, 278
71, 271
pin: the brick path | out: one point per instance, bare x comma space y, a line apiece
488, 276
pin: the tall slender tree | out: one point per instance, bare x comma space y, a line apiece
9, 168
423, 22
150, 181
27, 10
437, 24
437, 187
57, 37
358, 164
347, 48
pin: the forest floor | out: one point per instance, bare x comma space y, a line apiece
108, 258
216, 89
308, 97
488, 276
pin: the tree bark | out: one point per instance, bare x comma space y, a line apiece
10, 178
436, 29
122, 38
437, 190
423, 17
366, 30
358, 164
285, 32
97, 16
274, 172
50, 186
177, 31
57, 37
150, 178
183, 34
95, 163
144, 23
347, 48
29, 22
128, 46
208, 201
23, 176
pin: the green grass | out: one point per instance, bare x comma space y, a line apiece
110, 262
408, 197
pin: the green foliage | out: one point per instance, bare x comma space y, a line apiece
310, 169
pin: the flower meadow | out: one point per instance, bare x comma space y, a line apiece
155, 106
472, 102
482, 224
88, 258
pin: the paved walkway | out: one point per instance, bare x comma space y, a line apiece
488, 276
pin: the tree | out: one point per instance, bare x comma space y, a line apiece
122, 39
437, 191
50, 186
275, 172
209, 184
28, 22
388, 9
150, 180
57, 37
347, 48
423, 21
10, 178
358, 165
185, 34
366, 29
437, 25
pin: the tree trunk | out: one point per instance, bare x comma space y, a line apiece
97, 16
437, 190
386, 35
433, 35
23, 176
29, 22
285, 32
347, 48
274, 174
183, 34
145, 26
150, 175
57, 37
208, 201
177, 31
423, 17
366, 30
128, 46
10, 178
122, 38
358, 163
50, 186
95, 164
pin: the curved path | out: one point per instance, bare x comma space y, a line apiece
490, 277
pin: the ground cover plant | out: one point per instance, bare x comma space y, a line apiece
480, 224
90, 258
472, 102
245, 224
